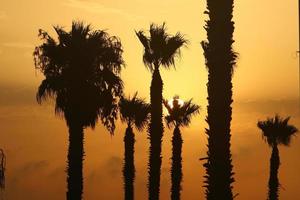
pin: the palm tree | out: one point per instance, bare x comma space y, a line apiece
179, 116
220, 62
134, 112
82, 74
160, 49
2, 169
276, 131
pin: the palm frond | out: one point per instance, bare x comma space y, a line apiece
180, 115
276, 130
134, 111
82, 73
172, 49
160, 48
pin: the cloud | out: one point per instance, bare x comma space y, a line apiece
34, 166
17, 95
113, 166
21, 45
109, 169
97, 8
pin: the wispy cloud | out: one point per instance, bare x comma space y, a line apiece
98, 8
22, 45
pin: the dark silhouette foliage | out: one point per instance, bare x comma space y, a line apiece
160, 49
276, 131
82, 74
220, 62
179, 115
134, 112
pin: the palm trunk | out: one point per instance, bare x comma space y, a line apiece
129, 170
75, 160
176, 171
220, 60
2, 170
155, 135
273, 180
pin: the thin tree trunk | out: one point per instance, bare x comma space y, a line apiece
273, 180
176, 170
2, 169
155, 135
129, 169
75, 162
220, 60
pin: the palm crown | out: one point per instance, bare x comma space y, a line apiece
277, 130
160, 48
81, 73
134, 111
180, 115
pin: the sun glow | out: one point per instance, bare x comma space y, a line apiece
171, 102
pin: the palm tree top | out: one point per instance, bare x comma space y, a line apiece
134, 111
276, 130
160, 48
82, 73
180, 113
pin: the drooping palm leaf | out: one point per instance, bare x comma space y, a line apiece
180, 115
160, 48
82, 73
276, 130
134, 111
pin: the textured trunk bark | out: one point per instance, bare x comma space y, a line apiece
176, 170
155, 135
129, 169
273, 180
220, 60
75, 162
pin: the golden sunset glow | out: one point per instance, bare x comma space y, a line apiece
265, 82
180, 102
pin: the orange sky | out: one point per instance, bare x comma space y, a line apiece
266, 38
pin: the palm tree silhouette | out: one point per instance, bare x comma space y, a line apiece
179, 116
2, 169
220, 62
160, 49
81, 72
134, 112
276, 131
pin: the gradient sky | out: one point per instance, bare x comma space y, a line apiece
265, 82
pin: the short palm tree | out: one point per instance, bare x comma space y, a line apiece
179, 116
276, 131
134, 112
160, 49
82, 74
2, 169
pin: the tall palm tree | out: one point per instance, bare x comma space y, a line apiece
82, 74
179, 116
220, 62
276, 131
134, 112
160, 49
2, 169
